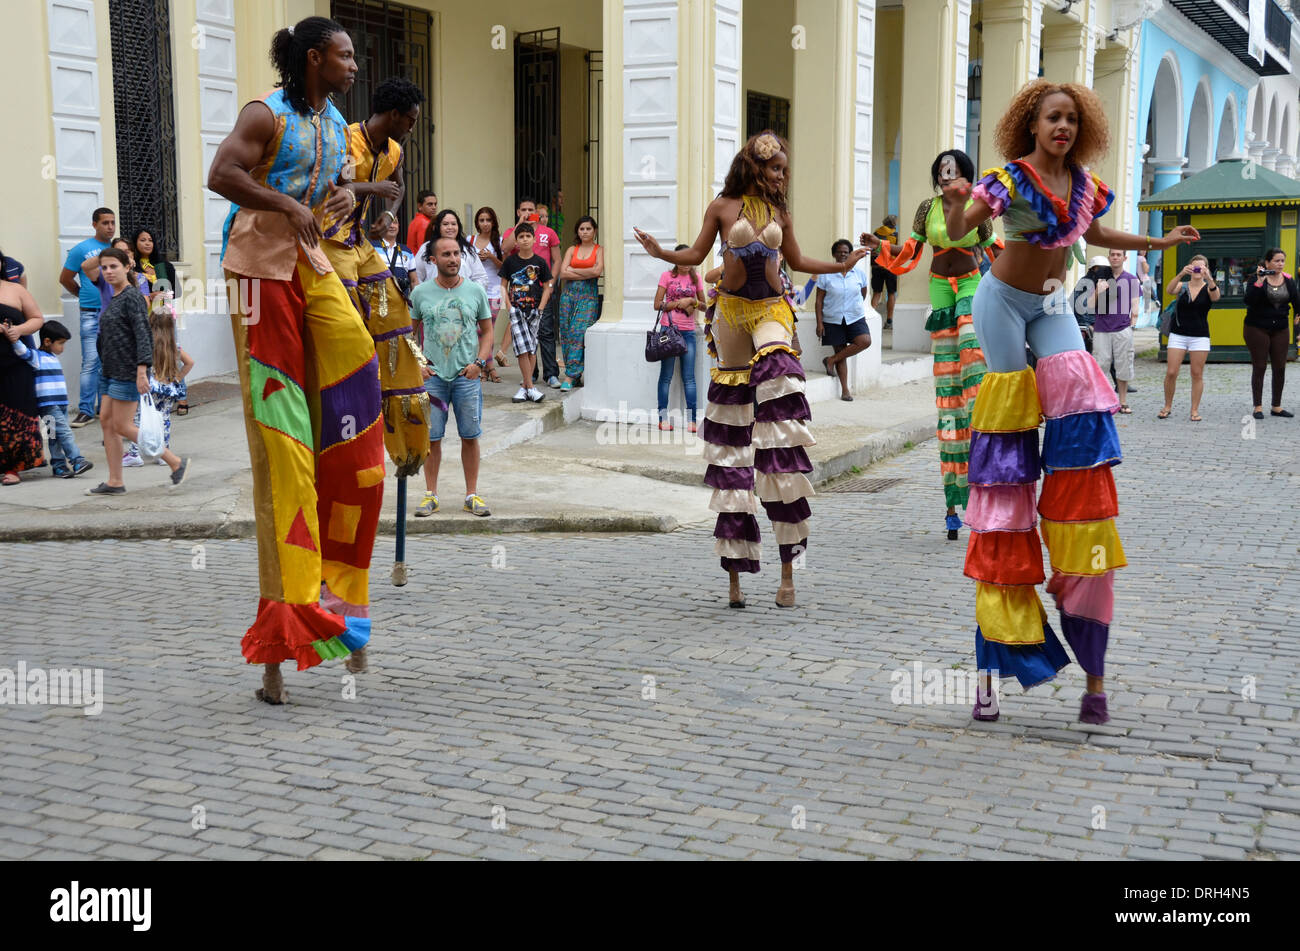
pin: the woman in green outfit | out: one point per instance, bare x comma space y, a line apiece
958, 360
583, 264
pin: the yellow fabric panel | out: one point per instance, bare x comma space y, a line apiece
1008, 403
292, 467
1083, 548
368, 477
729, 377
336, 328
343, 522
1239, 219
346, 582
1009, 614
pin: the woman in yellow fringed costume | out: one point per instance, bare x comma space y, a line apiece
375, 164
751, 336
958, 362
1047, 199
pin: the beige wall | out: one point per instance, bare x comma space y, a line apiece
767, 54
30, 202
888, 107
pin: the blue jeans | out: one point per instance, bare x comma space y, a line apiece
666, 368
463, 395
63, 447
88, 397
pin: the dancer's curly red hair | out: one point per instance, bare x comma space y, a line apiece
1014, 137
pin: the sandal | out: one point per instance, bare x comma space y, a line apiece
1195, 417
1163, 414
826, 364
182, 408
1123, 408
10, 478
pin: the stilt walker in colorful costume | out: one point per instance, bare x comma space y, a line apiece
307, 365
375, 164
954, 276
1047, 199
750, 336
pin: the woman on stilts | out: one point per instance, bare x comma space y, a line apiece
751, 336
954, 276
1047, 199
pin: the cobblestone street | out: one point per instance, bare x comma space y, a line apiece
537, 696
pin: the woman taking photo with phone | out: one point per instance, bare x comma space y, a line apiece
1189, 332
1266, 332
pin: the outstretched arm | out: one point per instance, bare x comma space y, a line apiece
795, 257
959, 217
1104, 237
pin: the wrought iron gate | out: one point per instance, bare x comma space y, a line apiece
392, 40
139, 33
537, 114
595, 100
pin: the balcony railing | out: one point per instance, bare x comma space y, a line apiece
1214, 18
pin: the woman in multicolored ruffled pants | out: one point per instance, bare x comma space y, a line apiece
1049, 132
751, 335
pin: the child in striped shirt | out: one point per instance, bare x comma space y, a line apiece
66, 459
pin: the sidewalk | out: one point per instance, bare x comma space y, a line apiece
543, 469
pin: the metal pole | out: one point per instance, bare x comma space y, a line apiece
399, 559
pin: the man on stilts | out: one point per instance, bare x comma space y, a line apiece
307, 364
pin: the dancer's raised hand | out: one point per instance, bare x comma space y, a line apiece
856, 255
1183, 234
957, 188
869, 241
649, 243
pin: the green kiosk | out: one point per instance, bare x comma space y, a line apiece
1241, 209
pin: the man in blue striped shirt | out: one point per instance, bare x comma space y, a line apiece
52, 396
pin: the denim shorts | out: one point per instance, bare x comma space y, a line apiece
123, 390
463, 395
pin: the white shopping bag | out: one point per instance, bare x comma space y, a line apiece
151, 442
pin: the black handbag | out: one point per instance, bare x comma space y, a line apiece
1167, 318
664, 341
401, 276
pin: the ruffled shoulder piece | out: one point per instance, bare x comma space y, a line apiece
1063, 223
997, 189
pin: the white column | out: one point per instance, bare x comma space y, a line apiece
960, 69
219, 106
1270, 157
78, 166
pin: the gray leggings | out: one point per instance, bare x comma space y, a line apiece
1007, 318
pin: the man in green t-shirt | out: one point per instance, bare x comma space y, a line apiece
457, 342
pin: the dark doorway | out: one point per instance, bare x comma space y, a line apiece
392, 40
595, 101
764, 112
537, 114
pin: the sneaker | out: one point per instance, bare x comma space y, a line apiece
428, 505
105, 489
553, 382
566, 387
178, 474
80, 466
61, 472
81, 419
131, 460
475, 505
535, 395
521, 396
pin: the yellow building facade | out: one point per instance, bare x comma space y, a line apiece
655, 98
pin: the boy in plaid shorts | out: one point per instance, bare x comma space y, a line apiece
526, 285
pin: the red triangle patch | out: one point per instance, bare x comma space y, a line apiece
271, 386
299, 534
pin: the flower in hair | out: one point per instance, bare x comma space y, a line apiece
765, 146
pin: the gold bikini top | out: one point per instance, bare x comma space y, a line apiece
757, 230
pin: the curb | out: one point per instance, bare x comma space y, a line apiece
161, 526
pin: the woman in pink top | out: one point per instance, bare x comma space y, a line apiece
679, 297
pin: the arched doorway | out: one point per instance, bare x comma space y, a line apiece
1227, 146
1200, 131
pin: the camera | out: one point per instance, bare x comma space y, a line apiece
1197, 269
